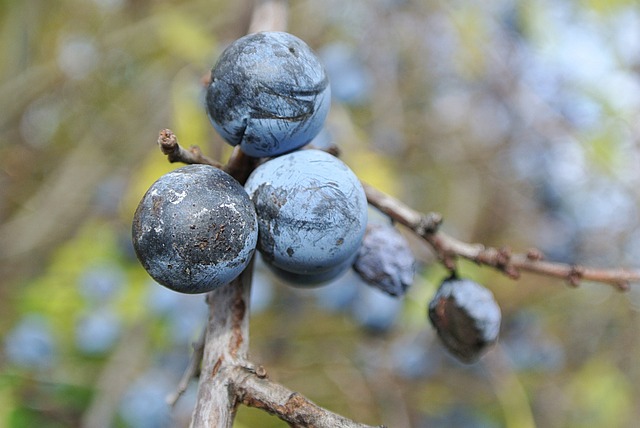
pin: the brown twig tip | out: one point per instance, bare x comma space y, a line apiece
169, 145
168, 142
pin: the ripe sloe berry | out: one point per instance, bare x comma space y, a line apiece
268, 93
312, 211
195, 229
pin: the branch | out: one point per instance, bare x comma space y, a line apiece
169, 146
192, 371
269, 15
226, 345
511, 264
256, 390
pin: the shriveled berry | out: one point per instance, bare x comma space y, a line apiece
385, 260
466, 317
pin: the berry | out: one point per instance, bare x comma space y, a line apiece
375, 310
312, 211
338, 295
350, 82
311, 279
466, 317
385, 260
30, 344
101, 283
97, 332
268, 93
144, 404
195, 229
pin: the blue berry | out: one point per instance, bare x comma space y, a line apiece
375, 310
350, 82
339, 294
312, 211
385, 260
312, 279
195, 229
144, 403
268, 93
30, 344
101, 282
97, 332
466, 317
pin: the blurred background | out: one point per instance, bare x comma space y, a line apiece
517, 120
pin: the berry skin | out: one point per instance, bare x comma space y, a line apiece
268, 93
466, 317
385, 260
311, 279
312, 211
195, 229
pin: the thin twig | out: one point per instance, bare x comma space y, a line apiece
511, 264
168, 142
191, 372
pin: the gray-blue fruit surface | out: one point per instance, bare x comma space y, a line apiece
195, 229
312, 279
385, 260
312, 211
269, 93
466, 317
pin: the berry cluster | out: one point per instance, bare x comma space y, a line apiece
303, 209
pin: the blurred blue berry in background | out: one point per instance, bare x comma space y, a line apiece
30, 344
144, 404
375, 310
186, 313
262, 292
351, 83
338, 295
529, 347
100, 283
415, 358
97, 332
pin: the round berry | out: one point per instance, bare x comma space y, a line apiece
195, 229
268, 93
312, 211
311, 279
385, 260
466, 317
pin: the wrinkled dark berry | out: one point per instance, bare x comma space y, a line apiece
466, 317
385, 260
